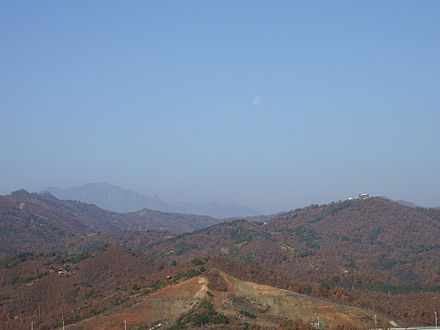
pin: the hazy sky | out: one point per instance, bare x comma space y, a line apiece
272, 104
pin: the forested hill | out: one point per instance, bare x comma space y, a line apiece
357, 251
373, 253
375, 220
41, 222
383, 243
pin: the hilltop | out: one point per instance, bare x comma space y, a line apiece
376, 234
199, 302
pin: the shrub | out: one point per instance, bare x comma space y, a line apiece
247, 314
197, 262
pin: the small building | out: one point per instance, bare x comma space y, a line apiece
363, 196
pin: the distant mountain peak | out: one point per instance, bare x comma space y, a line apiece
117, 199
20, 194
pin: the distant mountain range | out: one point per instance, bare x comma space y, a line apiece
406, 203
117, 199
411, 204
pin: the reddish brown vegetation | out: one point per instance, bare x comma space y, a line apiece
42, 223
373, 253
387, 252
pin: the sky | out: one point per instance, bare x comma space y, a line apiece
271, 104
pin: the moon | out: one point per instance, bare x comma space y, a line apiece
256, 100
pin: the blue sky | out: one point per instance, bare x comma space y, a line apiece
271, 104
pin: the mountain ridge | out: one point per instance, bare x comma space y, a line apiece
372, 252
31, 221
117, 199
394, 244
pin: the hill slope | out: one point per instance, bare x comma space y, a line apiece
41, 222
102, 220
373, 253
189, 305
28, 226
103, 288
370, 247
377, 235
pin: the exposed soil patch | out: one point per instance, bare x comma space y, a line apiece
238, 302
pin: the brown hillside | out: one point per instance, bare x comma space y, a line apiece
45, 288
101, 220
372, 253
358, 249
28, 226
240, 303
42, 223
